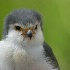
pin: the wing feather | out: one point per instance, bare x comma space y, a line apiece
49, 53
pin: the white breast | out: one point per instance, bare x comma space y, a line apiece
14, 57
31, 59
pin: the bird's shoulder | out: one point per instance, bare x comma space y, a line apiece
49, 53
6, 46
2, 43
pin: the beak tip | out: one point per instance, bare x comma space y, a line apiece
30, 38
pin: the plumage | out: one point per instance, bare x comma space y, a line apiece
23, 46
49, 53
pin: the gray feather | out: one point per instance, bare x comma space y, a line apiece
22, 16
49, 53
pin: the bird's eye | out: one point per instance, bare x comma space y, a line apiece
17, 27
36, 27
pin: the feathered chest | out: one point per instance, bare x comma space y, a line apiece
30, 59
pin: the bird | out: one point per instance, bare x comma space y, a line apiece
22, 46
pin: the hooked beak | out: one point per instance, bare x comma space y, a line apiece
29, 34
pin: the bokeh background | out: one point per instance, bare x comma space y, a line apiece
56, 24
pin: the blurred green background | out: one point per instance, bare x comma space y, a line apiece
56, 24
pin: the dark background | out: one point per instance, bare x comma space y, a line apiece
56, 24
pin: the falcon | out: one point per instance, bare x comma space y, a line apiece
23, 46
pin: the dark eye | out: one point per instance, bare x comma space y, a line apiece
17, 27
36, 27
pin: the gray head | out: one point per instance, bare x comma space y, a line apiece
23, 17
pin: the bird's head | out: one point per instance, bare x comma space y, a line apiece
24, 25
